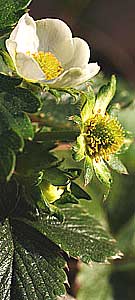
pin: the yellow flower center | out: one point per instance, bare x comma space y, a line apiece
49, 64
103, 136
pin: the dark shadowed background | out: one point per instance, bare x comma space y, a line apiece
107, 25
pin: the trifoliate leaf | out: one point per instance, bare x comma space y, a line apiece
105, 95
6, 260
31, 266
88, 170
80, 234
11, 11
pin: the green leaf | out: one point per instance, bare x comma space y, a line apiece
80, 234
36, 157
56, 177
88, 101
6, 260
7, 163
22, 99
94, 283
12, 140
15, 125
31, 266
11, 11
9, 81
67, 197
88, 170
105, 95
22, 125
115, 163
8, 203
78, 192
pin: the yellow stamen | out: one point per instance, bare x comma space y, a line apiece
49, 64
103, 135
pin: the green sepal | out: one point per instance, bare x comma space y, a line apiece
7, 61
88, 170
114, 110
102, 172
128, 140
72, 92
76, 120
56, 94
115, 163
105, 95
79, 148
88, 102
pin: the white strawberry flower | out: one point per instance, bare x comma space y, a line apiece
45, 51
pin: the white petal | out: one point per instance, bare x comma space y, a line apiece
11, 47
75, 76
81, 53
93, 69
55, 36
28, 68
25, 35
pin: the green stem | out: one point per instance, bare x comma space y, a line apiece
62, 136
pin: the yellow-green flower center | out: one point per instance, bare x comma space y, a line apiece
103, 136
49, 64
